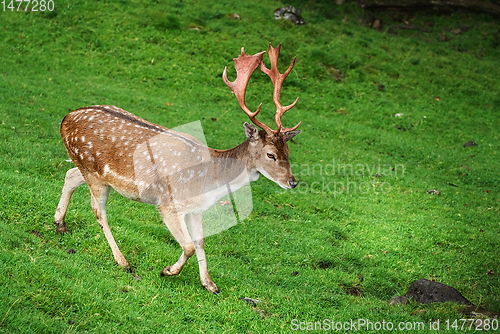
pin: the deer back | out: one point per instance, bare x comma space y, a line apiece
141, 160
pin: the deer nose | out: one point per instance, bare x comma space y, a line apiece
292, 182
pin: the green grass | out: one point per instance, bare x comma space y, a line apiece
164, 62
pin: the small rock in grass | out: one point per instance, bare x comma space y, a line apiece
470, 143
290, 13
250, 301
398, 300
71, 251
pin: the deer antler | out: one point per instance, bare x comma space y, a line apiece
245, 65
277, 78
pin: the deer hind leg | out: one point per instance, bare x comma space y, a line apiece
194, 224
99, 197
73, 180
177, 226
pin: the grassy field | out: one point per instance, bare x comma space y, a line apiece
353, 239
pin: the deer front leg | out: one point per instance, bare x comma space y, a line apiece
177, 226
100, 193
73, 180
194, 224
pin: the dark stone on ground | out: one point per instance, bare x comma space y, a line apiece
470, 143
290, 13
424, 291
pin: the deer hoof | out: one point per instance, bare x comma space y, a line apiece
61, 227
211, 287
167, 271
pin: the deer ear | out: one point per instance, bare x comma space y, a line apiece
251, 131
291, 134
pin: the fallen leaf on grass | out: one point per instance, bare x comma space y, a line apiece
433, 192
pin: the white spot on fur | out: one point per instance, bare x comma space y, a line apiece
201, 174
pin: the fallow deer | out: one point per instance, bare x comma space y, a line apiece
145, 162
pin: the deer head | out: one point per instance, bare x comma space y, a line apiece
268, 147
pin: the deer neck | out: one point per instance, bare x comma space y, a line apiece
232, 162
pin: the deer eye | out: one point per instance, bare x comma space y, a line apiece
271, 156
